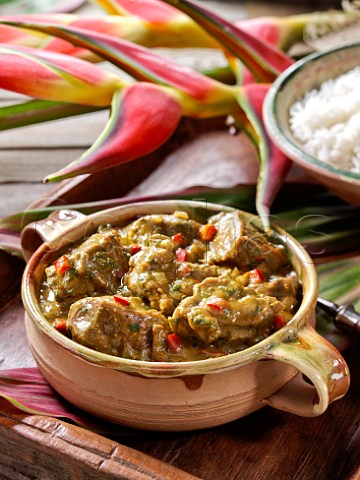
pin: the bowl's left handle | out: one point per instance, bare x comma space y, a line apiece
320, 362
34, 234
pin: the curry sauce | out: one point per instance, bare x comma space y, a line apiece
169, 288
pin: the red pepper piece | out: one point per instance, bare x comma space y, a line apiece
207, 232
61, 325
181, 254
174, 342
179, 238
257, 275
135, 248
123, 301
217, 303
185, 270
62, 265
278, 322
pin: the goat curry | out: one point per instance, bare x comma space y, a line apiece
168, 288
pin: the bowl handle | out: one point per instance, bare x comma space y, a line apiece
35, 233
320, 362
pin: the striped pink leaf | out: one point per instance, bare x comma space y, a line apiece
27, 389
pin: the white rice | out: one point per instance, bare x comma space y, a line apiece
327, 121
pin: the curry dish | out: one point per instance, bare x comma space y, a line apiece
168, 288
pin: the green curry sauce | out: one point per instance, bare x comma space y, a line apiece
168, 288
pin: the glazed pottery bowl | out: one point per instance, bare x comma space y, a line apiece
308, 74
184, 395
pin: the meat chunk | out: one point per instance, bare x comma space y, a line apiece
151, 272
220, 309
190, 274
95, 267
126, 330
160, 277
167, 288
285, 289
240, 244
183, 230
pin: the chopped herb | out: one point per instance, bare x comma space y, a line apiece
201, 321
134, 327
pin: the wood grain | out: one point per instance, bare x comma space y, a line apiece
266, 444
79, 454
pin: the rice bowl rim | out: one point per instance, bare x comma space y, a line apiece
285, 141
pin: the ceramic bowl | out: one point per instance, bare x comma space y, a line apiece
289, 87
184, 395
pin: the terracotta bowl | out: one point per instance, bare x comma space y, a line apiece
289, 87
188, 395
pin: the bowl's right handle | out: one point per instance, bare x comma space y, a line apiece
35, 233
320, 362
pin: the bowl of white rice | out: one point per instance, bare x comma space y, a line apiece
312, 113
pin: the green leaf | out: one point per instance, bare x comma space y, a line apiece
339, 283
39, 111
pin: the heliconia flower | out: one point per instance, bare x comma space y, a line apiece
284, 32
57, 77
281, 32
274, 165
200, 96
14, 36
165, 26
143, 117
263, 60
154, 24
178, 33
153, 11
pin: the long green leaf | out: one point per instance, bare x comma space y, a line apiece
339, 283
315, 223
39, 111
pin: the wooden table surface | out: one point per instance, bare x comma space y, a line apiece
267, 444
